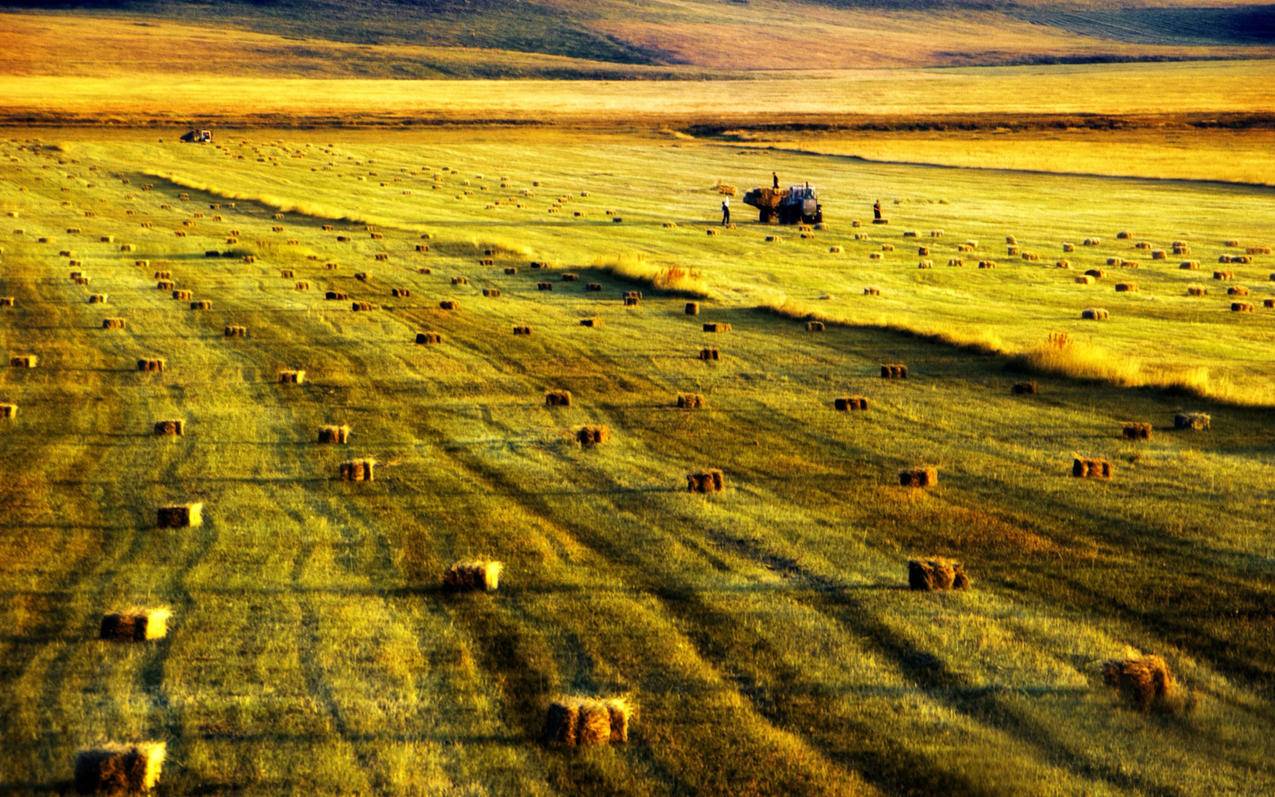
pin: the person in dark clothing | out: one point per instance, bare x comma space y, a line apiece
725, 212
774, 176
876, 210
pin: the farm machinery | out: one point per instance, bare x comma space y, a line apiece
798, 204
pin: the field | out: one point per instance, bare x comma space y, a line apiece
766, 634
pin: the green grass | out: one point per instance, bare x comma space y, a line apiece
763, 633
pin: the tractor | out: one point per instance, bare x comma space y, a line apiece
798, 204
197, 137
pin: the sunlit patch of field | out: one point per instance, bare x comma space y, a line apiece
764, 634
1240, 156
892, 97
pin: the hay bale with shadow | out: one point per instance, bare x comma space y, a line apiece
710, 480
1136, 430
135, 625
1091, 468
921, 476
116, 768
334, 434
937, 574
592, 435
362, 469
172, 427
1146, 682
690, 401
473, 575
180, 516
1193, 421
850, 404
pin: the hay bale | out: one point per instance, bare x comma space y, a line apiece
163, 275
8, 301
1223, 275
1124, 235
118, 768
491, 293
691, 308
363, 307
1195, 421
336, 296
936, 574
1093, 242
923, 251
1068, 247
544, 286
1024, 388
522, 330
473, 575
401, 293
362, 276
711, 480
925, 264
180, 516
816, 326
584, 722
152, 364
449, 304
591, 322
1126, 287
593, 287
558, 398
1011, 251
716, 326
690, 401
460, 280
97, 298
1159, 254
923, 476
358, 470
835, 250
871, 291
291, 377
1146, 682
874, 255
1258, 250
333, 434
8, 410
709, 354
429, 338
1094, 314
894, 371
632, 301
1196, 290
202, 304
987, 264
1136, 430
1062, 264
1091, 468
182, 295
1268, 303
710, 231
850, 404
173, 427
595, 435
1241, 307
1189, 265
1237, 290
955, 262
135, 625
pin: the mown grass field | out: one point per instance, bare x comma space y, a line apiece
765, 634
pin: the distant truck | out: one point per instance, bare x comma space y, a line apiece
798, 204
197, 137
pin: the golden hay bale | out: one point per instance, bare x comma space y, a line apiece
632, 301
709, 353
334, 435
449, 304
401, 293
202, 304
1068, 247
987, 264
955, 262
922, 251
871, 291
591, 322
119, 768
491, 293
460, 280
711, 231
558, 398
236, 331
716, 326
1159, 254
1241, 307
291, 377
481, 575
173, 427
925, 264
522, 330
850, 404
936, 574
182, 295
773, 239
1189, 265
544, 286
1094, 314
1196, 290
584, 721
835, 250
358, 470
1223, 275
97, 298
1011, 251
429, 338
816, 326
691, 308
1145, 681
1126, 287
8, 410
152, 364
1268, 303
180, 516
1136, 430
924, 476
1237, 290
7, 301
594, 435
1258, 250
381, 256
135, 625
509, 270
286, 273
874, 255
362, 307
1091, 468
690, 401
894, 371
711, 480
1009, 240
1024, 388
362, 276
336, 296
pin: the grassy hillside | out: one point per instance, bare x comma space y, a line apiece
764, 634
555, 38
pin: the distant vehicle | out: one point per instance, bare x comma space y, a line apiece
798, 204
198, 137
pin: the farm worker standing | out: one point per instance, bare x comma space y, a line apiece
774, 177
725, 212
876, 210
